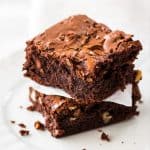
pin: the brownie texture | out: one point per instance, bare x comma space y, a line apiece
85, 58
66, 116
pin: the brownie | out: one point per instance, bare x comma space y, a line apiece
85, 58
65, 116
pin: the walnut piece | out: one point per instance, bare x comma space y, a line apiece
39, 126
72, 119
106, 117
72, 107
138, 76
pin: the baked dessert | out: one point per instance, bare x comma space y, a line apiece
65, 116
85, 58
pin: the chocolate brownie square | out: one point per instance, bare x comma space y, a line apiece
85, 58
66, 116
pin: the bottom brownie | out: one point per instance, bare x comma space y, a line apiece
65, 116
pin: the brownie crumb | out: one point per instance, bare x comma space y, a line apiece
122, 142
24, 132
20, 107
12, 121
141, 102
39, 126
31, 108
22, 125
105, 137
99, 130
137, 113
84, 149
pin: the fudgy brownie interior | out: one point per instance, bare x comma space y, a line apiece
65, 116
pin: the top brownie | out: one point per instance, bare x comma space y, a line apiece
85, 49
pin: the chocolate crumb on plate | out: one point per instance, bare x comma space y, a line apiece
12, 121
141, 102
122, 142
137, 113
20, 107
99, 130
105, 137
39, 126
22, 125
24, 132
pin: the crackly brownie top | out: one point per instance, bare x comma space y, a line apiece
81, 39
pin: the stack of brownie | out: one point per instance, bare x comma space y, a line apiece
90, 62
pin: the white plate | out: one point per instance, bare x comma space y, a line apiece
135, 133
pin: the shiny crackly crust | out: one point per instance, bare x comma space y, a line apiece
84, 41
